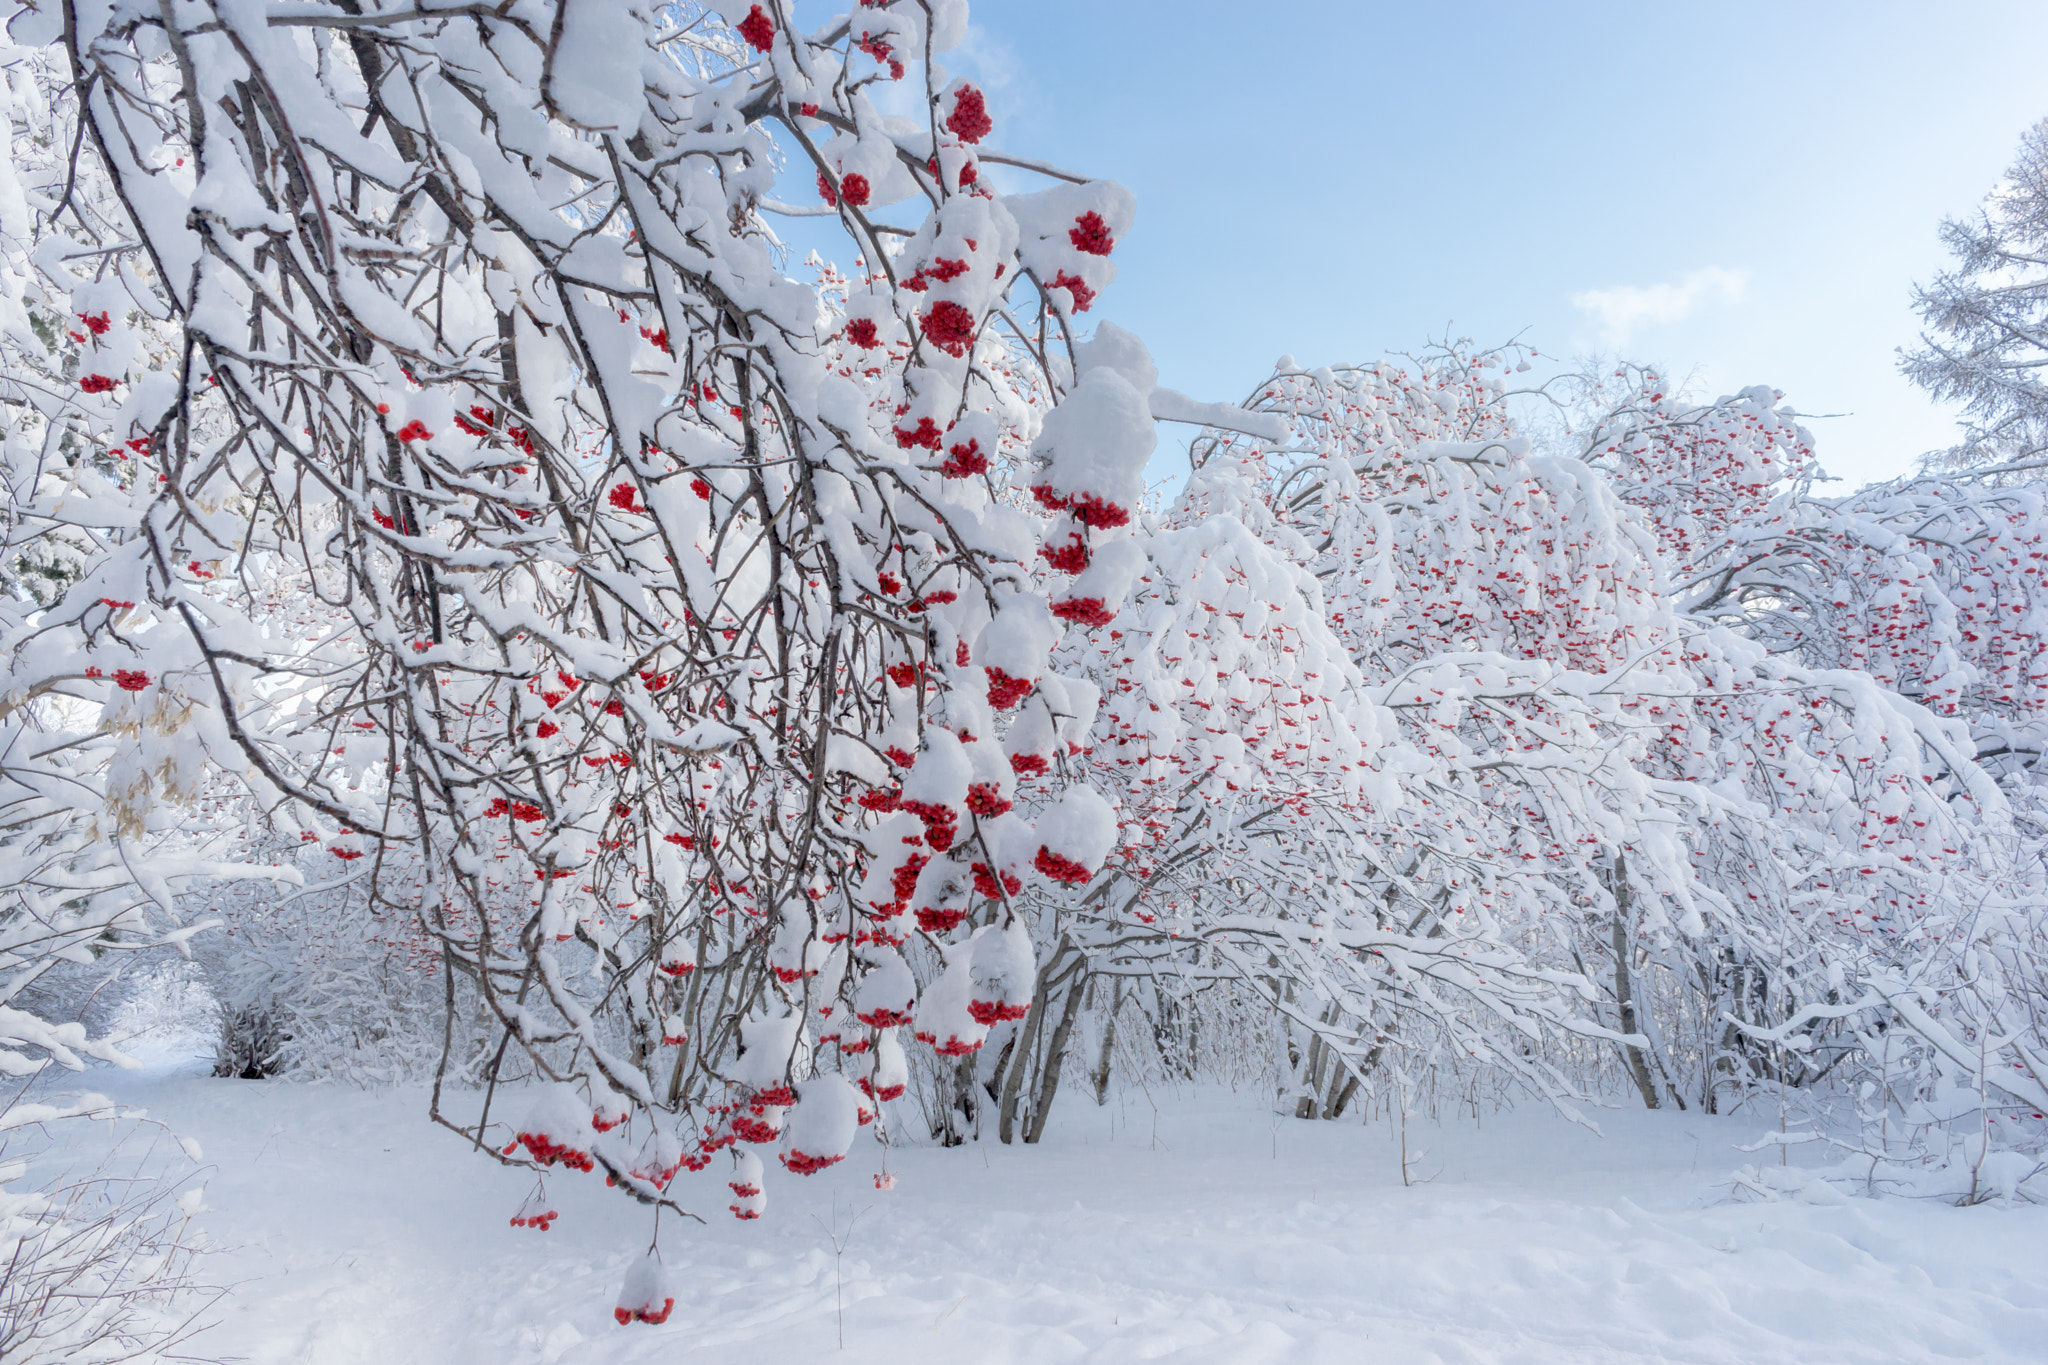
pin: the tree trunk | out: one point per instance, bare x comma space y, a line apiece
1101, 1074
1343, 1085
1307, 1105
1022, 1047
1049, 1069
1638, 1066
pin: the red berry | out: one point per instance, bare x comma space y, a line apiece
758, 29
969, 120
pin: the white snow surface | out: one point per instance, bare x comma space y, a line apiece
351, 1230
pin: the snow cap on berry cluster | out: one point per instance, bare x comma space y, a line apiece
796, 951
991, 783
943, 896
1068, 235
1075, 836
888, 992
957, 268
891, 1076
649, 1294
771, 1051
1032, 742
1013, 648
941, 774
1095, 597
660, 1157
1093, 449
896, 852
869, 174
822, 1128
608, 1108
750, 1198
1004, 971
557, 1128
945, 1017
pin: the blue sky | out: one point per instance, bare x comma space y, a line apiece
1338, 181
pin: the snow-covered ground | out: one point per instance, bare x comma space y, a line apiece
1203, 1230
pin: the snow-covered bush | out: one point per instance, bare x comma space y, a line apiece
97, 1256
737, 702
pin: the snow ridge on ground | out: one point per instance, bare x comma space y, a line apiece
1202, 1230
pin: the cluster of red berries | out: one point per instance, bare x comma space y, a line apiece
853, 188
1076, 288
415, 430
650, 1314
964, 461
954, 1046
1084, 611
949, 327
748, 1128
1059, 867
802, 1163
939, 921
993, 1012
1005, 691
925, 435
469, 428
130, 679
1101, 513
1091, 235
861, 332
969, 120
902, 884
542, 1220
941, 823
986, 800
985, 883
758, 29
96, 383
546, 1151
626, 498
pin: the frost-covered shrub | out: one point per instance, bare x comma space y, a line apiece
314, 982
97, 1253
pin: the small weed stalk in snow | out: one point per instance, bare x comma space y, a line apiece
840, 1241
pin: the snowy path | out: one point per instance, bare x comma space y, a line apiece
359, 1233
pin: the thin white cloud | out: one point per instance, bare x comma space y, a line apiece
1623, 309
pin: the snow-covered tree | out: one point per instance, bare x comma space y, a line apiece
680, 612
107, 743
1986, 346
1885, 675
